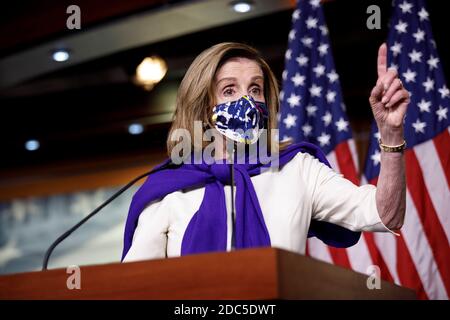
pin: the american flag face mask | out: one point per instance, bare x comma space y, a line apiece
242, 120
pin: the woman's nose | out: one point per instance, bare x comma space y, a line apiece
241, 93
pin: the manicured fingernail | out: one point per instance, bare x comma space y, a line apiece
384, 100
388, 105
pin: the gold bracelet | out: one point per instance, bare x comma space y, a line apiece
398, 148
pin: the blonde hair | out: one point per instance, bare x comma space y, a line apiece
196, 94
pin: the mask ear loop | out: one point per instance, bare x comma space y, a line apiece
264, 114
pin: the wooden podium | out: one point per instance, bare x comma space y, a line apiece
252, 274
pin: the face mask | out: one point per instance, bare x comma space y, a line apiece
241, 120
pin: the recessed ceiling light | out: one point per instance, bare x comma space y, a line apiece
135, 128
60, 55
241, 6
32, 145
150, 71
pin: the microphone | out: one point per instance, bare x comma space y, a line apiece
104, 204
233, 222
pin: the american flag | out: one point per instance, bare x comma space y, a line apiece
420, 257
312, 110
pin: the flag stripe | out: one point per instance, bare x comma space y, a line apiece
318, 250
387, 240
359, 256
442, 144
376, 257
340, 257
418, 245
331, 157
351, 144
435, 182
427, 215
407, 270
345, 162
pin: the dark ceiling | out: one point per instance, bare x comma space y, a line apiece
82, 112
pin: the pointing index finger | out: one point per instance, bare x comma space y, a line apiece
382, 60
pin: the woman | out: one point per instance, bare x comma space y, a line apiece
187, 208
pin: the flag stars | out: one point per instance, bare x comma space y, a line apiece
323, 49
393, 66
401, 27
290, 121
323, 30
307, 41
332, 76
424, 106
419, 126
319, 70
433, 43
284, 74
311, 110
432, 62
423, 14
419, 35
314, 48
406, 7
415, 56
298, 80
314, 3
307, 129
288, 54
311, 23
294, 100
376, 157
315, 90
445, 93
377, 135
292, 35
324, 139
327, 119
429, 84
331, 96
396, 48
302, 60
442, 113
341, 125
410, 76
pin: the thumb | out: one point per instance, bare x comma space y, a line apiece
376, 94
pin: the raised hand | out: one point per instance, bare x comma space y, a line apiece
389, 101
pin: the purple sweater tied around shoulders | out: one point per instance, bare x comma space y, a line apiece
207, 230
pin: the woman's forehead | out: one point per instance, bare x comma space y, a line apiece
237, 67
